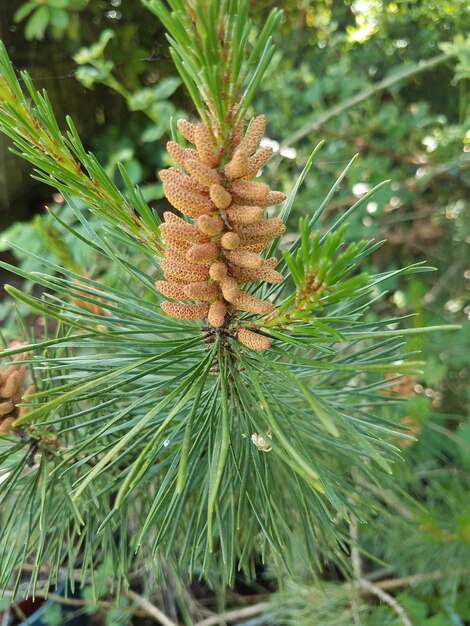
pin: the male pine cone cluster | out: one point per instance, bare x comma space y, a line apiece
11, 393
209, 260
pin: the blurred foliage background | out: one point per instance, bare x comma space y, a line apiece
386, 79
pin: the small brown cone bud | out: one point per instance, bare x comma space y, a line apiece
265, 273
271, 228
185, 311
244, 258
179, 154
244, 214
238, 165
175, 254
273, 197
189, 203
201, 172
187, 130
171, 290
205, 146
174, 176
6, 425
220, 196
230, 289
252, 340
201, 291
12, 384
247, 302
255, 245
248, 191
257, 161
237, 135
177, 249
230, 241
202, 252
217, 313
184, 272
6, 407
172, 218
181, 231
210, 225
218, 271
253, 135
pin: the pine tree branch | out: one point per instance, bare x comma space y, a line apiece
153, 417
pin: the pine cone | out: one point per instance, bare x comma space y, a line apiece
11, 394
209, 260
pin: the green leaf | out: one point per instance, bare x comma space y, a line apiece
37, 23
94, 52
415, 608
435, 371
440, 619
166, 87
60, 18
58, 4
91, 607
52, 615
153, 133
23, 11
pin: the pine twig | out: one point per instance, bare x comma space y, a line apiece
236, 614
387, 599
150, 609
357, 569
366, 585
355, 554
405, 581
105, 605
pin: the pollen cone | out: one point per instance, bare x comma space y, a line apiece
214, 248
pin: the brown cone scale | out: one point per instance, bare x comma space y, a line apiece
217, 313
252, 340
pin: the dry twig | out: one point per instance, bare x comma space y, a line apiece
366, 585
236, 614
387, 599
150, 609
